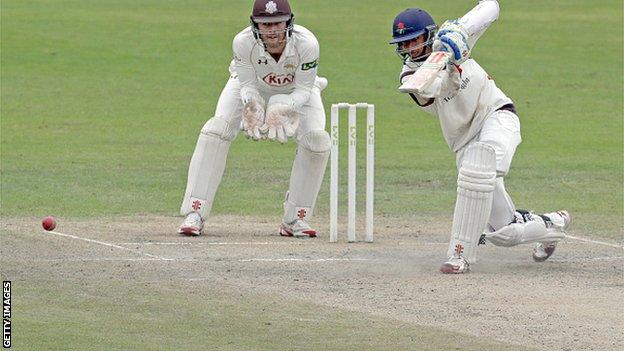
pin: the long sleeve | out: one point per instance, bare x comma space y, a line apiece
306, 72
244, 69
477, 20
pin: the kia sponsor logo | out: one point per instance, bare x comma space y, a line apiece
279, 80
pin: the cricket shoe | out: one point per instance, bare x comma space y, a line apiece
558, 221
192, 225
542, 251
455, 265
299, 229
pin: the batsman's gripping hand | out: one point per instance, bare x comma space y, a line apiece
453, 38
446, 82
281, 120
253, 116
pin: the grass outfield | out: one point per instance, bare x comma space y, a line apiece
223, 319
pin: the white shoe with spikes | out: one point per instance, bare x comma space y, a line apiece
299, 229
193, 225
455, 265
559, 222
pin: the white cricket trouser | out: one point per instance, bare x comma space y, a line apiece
501, 130
209, 157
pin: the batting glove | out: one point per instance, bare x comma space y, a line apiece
453, 38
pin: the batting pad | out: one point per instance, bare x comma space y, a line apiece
525, 233
475, 185
306, 175
207, 166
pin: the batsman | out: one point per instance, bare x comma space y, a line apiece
480, 125
273, 93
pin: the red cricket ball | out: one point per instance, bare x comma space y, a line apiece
48, 223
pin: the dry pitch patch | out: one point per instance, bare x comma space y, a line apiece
570, 302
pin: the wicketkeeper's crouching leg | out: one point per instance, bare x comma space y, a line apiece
205, 172
305, 182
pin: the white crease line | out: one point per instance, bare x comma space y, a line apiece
267, 243
102, 259
113, 259
581, 241
106, 244
122, 259
590, 259
302, 259
594, 241
225, 243
422, 243
213, 243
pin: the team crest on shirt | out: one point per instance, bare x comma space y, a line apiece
290, 66
279, 80
270, 7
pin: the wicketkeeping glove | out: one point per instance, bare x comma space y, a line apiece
453, 38
253, 117
281, 120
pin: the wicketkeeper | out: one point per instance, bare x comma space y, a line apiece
274, 93
480, 124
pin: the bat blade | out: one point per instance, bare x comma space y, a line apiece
425, 73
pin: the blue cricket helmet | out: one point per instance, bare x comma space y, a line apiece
410, 24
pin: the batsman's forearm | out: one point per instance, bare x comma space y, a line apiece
477, 20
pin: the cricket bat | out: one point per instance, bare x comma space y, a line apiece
426, 73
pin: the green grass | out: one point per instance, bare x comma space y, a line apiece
91, 316
102, 101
